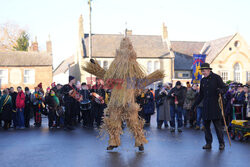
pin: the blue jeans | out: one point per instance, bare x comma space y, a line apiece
199, 112
176, 113
20, 117
14, 118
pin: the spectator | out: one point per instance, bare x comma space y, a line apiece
20, 104
6, 109
13, 95
163, 114
27, 108
148, 106
177, 97
189, 101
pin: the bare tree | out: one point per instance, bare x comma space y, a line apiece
9, 34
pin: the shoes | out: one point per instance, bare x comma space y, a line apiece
158, 127
111, 147
202, 128
141, 148
197, 128
172, 129
207, 147
179, 130
222, 146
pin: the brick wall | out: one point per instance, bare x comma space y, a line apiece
16, 77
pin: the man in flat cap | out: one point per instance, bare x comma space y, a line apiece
210, 87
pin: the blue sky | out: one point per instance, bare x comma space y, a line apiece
195, 20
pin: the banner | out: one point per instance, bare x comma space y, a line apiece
198, 60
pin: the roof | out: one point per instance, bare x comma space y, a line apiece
182, 62
146, 46
214, 47
21, 58
187, 47
63, 67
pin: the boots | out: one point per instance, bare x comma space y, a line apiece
222, 146
111, 147
141, 148
207, 147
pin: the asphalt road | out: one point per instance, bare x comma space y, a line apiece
82, 148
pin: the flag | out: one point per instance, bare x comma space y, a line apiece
198, 60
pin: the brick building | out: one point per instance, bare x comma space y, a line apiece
19, 68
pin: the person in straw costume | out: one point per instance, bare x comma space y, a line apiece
127, 80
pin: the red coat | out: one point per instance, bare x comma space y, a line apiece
20, 100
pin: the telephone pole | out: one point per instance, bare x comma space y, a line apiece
90, 30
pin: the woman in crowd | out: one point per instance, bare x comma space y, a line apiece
6, 109
37, 100
164, 107
149, 107
52, 101
189, 101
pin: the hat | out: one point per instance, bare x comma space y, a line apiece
178, 83
40, 85
26, 89
205, 66
84, 83
71, 78
53, 84
160, 84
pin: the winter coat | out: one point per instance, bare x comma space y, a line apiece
190, 99
6, 109
149, 107
239, 98
209, 92
20, 100
164, 108
13, 98
179, 93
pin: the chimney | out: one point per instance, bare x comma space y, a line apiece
164, 32
81, 31
49, 46
34, 45
128, 32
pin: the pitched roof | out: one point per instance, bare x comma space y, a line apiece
64, 66
182, 62
146, 46
214, 47
20, 58
187, 47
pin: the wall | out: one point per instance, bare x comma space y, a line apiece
16, 77
226, 60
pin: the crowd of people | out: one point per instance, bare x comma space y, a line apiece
75, 103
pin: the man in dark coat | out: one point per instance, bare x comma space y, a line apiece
13, 95
98, 107
177, 97
69, 103
210, 88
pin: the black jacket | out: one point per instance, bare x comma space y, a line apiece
179, 93
209, 93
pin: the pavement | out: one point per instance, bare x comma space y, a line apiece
83, 148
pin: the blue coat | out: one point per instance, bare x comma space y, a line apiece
149, 107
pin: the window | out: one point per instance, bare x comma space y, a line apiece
183, 75
149, 67
4, 76
248, 76
156, 65
105, 65
99, 62
224, 76
237, 72
29, 76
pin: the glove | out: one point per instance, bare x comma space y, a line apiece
219, 91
